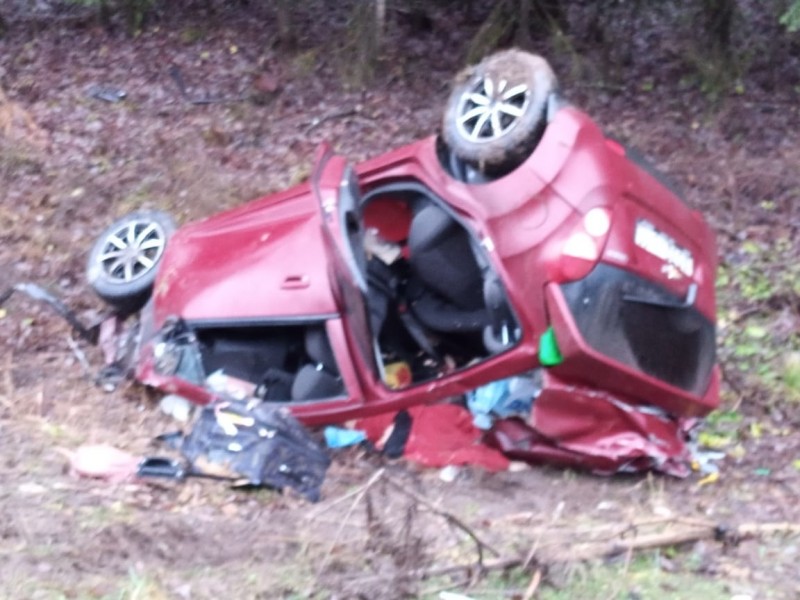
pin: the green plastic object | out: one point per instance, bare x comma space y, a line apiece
549, 354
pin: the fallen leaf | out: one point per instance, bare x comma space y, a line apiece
711, 478
715, 441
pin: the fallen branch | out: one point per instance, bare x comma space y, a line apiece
592, 550
695, 531
449, 517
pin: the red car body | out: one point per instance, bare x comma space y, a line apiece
627, 294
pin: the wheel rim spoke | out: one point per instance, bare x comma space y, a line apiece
497, 126
131, 237
150, 244
510, 109
479, 99
113, 267
151, 228
515, 91
146, 262
488, 87
109, 255
118, 242
479, 125
472, 114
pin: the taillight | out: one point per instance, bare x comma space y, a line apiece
583, 247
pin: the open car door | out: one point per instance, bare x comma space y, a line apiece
335, 187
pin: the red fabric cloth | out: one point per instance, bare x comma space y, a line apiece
441, 435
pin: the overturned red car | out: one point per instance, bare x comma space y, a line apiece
521, 242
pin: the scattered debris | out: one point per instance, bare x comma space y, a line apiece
101, 461
341, 437
252, 444
107, 93
177, 407
37, 292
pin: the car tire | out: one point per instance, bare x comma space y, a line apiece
123, 262
497, 110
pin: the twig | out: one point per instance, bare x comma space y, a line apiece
449, 517
9, 380
328, 505
756, 529
500, 564
534, 585
80, 355
340, 114
361, 493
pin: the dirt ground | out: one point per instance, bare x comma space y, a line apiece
70, 163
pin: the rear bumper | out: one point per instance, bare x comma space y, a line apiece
654, 356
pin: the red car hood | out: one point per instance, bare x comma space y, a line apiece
262, 260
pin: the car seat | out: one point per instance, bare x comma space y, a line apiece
445, 291
319, 379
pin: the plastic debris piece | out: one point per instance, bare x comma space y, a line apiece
177, 407
341, 437
704, 461
222, 383
449, 473
101, 461
31, 489
107, 93
549, 353
762, 472
397, 375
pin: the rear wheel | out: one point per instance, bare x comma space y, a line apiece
497, 110
123, 262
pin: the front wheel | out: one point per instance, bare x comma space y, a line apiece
497, 110
123, 262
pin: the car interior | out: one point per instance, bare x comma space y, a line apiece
434, 300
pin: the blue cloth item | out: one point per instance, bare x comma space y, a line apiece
511, 397
340, 437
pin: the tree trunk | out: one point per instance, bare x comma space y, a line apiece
283, 13
718, 17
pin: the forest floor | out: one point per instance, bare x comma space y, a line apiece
70, 163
